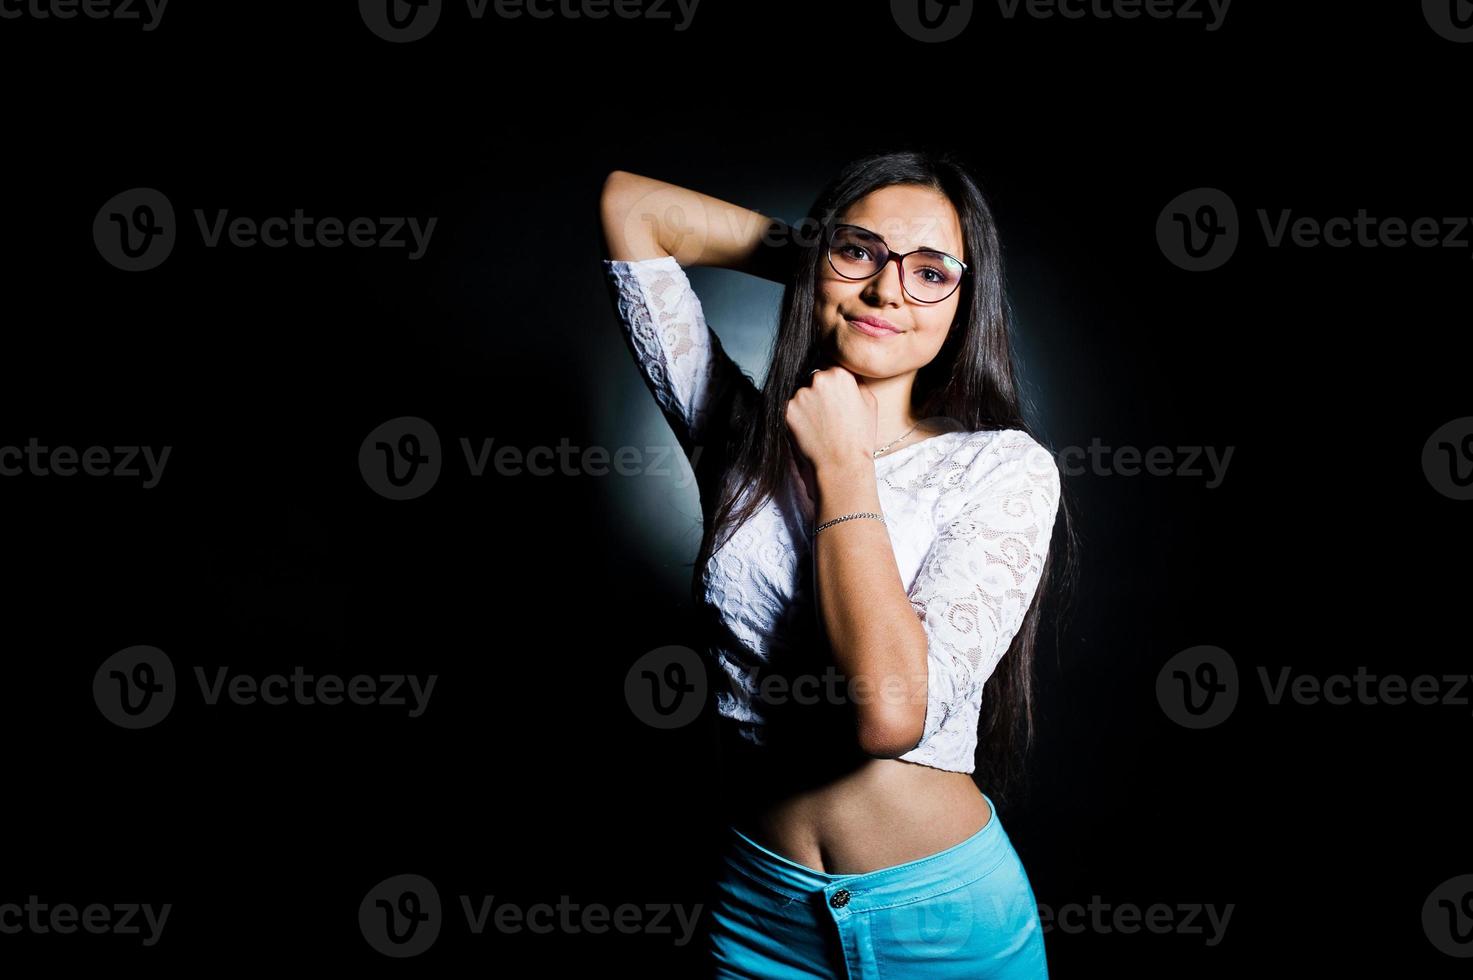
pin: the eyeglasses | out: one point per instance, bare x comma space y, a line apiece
926, 275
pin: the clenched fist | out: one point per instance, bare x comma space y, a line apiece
833, 420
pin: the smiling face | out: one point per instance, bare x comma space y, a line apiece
907, 217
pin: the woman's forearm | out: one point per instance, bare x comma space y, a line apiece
644, 217
878, 642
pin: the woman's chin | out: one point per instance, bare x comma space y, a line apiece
864, 364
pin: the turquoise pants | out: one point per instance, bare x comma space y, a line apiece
966, 912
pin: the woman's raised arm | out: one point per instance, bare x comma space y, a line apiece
645, 218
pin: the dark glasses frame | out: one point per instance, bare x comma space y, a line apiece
890, 255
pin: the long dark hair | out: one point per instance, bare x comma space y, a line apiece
971, 383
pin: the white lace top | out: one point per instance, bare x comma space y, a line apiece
969, 514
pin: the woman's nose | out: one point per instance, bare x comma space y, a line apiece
887, 288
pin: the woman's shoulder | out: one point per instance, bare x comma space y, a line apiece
984, 451
973, 443
1004, 440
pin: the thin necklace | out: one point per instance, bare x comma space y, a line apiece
881, 450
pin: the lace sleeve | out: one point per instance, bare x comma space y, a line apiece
680, 357
977, 581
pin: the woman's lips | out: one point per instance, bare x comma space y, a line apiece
871, 329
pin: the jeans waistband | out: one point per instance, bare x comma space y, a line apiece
958, 865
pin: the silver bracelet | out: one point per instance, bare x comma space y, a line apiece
848, 517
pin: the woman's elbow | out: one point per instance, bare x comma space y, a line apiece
890, 736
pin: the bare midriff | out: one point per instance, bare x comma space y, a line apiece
833, 809
875, 813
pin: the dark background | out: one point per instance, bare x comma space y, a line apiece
1326, 547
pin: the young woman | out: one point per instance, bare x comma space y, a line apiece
878, 521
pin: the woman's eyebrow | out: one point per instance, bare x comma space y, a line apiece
929, 248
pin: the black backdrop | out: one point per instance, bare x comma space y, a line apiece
1332, 831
